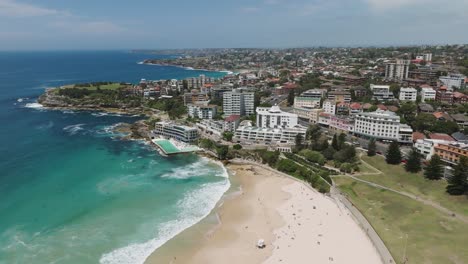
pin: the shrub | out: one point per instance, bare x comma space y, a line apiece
237, 147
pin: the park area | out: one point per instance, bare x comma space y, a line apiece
417, 220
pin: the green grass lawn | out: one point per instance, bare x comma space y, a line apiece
111, 86
395, 177
432, 236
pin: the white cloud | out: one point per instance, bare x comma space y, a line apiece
12, 8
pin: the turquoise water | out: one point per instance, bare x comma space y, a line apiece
71, 191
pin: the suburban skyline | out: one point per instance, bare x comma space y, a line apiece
63, 25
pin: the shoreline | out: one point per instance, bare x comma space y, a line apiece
227, 72
268, 206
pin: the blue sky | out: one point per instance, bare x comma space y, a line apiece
118, 24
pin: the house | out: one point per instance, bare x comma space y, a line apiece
425, 108
441, 136
461, 120
441, 116
418, 135
459, 98
392, 108
355, 108
460, 137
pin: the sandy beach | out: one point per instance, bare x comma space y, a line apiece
298, 224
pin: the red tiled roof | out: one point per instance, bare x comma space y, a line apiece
382, 107
441, 136
355, 106
438, 114
418, 135
232, 118
392, 108
366, 106
458, 95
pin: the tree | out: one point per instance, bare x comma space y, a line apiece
434, 170
335, 143
291, 97
413, 164
371, 148
237, 147
329, 152
457, 183
222, 151
393, 155
299, 139
341, 140
313, 132
227, 135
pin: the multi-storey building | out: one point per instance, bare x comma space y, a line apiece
384, 125
451, 152
171, 130
268, 135
329, 107
309, 114
202, 111
275, 118
315, 93
230, 124
341, 124
397, 70
381, 92
427, 93
196, 97
453, 80
238, 102
339, 96
408, 94
306, 102
443, 95
426, 146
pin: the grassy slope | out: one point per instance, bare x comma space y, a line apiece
395, 177
432, 236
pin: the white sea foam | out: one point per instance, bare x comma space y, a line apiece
195, 206
73, 129
45, 126
193, 170
34, 105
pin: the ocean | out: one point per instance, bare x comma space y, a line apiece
71, 190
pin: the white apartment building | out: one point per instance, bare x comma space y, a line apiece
275, 118
383, 125
425, 57
329, 107
254, 134
171, 130
201, 111
310, 114
217, 127
453, 80
381, 92
408, 94
397, 70
306, 102
314, 93
238, 102
427, 93
426, 146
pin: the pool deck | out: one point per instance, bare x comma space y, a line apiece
168, 148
